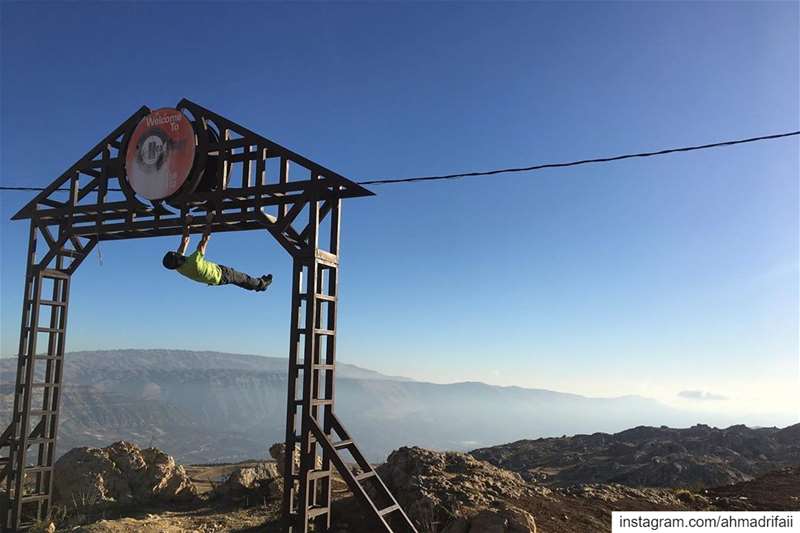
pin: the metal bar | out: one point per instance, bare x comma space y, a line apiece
48, 237
230, 200
23, 416
50, 367
326, 207
306, 493
52, 203
5, 437
285, 221
7, 510
291, 406
307, 448
52, 430
89, 187
283, 180
87, 248
51, 253
117, 210
20, 437
261, 175
330, 349
355, 486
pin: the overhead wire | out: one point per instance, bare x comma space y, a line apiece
531, 168
579, 162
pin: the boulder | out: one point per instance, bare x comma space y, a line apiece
487, 522
253, 484
440, 486
121, 473
278, 452
501, 518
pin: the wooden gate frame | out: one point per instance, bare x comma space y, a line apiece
92, 202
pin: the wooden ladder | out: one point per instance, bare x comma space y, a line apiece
27, 478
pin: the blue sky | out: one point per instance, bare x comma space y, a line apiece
641, 277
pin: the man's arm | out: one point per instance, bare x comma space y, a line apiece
206, 235
185, 237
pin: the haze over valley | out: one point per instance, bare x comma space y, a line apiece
220, 407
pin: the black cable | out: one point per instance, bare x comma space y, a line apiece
3, 188
527, 169
581, 162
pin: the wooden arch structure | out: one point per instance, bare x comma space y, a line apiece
256, 184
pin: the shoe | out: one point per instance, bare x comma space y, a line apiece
266, 281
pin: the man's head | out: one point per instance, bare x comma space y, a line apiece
173, 260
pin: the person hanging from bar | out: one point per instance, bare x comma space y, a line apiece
197, 268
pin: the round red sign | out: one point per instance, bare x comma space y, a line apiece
160, 154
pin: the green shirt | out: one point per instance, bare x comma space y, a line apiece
197, 268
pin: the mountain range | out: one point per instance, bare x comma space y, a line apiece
220, 407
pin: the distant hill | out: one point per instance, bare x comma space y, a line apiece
88, 365
216, 407
699, 456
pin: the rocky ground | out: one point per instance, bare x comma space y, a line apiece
700, 456
123, 488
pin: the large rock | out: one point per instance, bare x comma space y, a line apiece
278, 452
435, 487
121, 473
499, 519
253, 484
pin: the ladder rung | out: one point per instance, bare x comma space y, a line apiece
34, 498
35, 469
366, 475
70, 253
44, 385
52, 302
319, 331
48, 357
322, 367
343, 444
45, 330
321, 401
390, 509
38, 440
318, 474
55, 274
326, 258
41, 412
49, 330
317, 511
320, 296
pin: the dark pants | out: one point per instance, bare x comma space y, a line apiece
240, 279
